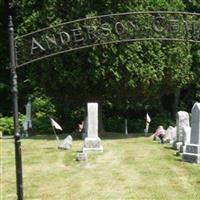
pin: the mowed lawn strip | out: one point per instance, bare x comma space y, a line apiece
131, 167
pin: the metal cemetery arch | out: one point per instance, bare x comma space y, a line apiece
89, 32
107, 29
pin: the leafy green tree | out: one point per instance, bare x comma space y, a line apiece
191, 92
5, 100
149, 72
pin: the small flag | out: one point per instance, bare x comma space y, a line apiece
55, 124
148, 119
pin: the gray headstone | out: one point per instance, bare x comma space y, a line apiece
27, 125
67, 143
191, 152
92, 142
195, 136
186, 139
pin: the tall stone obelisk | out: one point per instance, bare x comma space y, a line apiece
92, 142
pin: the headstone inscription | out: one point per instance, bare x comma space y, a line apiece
92, 142
191, 152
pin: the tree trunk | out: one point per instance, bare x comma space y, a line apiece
176, 101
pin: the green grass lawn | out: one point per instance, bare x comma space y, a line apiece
131, 167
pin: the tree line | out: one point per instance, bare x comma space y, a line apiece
125, 79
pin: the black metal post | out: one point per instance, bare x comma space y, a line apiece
17, 136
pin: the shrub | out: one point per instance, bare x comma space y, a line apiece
75, 116
114, 124
42, 109
7, 124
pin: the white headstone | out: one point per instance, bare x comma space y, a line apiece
173, 133
67, 143
148, 120
168, 134
92, 120
187, 134
182, 120
92, 142
191, 152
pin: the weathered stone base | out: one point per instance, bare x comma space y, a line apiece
192, 158
177, 146
82, 156
174, 144
191, 153
66, 144
92, 145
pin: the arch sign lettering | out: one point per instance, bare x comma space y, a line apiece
107, 29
